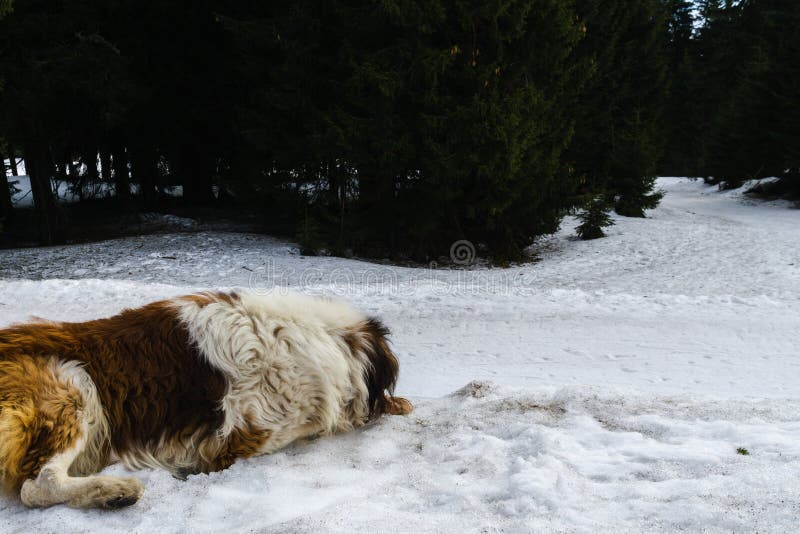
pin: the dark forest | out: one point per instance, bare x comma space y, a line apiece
389, 128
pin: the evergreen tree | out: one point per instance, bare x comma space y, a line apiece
749, 60
426, 122
681, 127
784, 130
495, 151
618, 144
594, 218
718, 54
395, 128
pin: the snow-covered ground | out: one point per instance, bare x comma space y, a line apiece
605, 387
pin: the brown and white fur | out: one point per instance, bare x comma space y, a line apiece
188, 384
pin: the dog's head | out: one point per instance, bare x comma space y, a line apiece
380, 365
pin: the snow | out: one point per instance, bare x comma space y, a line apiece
20, 166
23, 197
606, 386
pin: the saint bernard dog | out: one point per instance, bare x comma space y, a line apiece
188, 385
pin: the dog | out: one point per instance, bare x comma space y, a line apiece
188, 384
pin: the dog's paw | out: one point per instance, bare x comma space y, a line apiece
110, 493
120, 502
398, 406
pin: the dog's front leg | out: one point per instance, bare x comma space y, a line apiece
398, 406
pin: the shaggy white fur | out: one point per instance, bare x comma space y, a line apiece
287, 362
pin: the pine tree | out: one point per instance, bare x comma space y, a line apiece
681, 127
719, 53
779, 90
750, 49
594, 218
436, 119
618, 142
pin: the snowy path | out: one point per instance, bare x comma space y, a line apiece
617, 378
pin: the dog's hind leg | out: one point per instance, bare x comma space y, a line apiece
52, 427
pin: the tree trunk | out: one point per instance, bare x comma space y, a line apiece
12, 160
145, 171
376, 200
105, 167
49, 220
78, 181
72, 169
122, 184
92, 177
90, 157
195, 169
